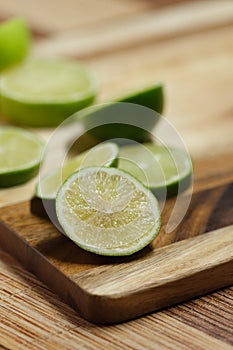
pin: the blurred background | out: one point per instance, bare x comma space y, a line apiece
187, 45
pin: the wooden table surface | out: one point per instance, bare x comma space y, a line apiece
129, 43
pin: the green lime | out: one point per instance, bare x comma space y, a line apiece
150, 96
44, 92
21, 154
122, 120
164, 170
103, 154
14, 42
107, 211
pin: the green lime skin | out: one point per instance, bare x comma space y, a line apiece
15, 39
18, 177
151, 97
41, 114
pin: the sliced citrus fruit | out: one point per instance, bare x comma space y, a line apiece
44, 92
103, 154
20, 156
149, 96
107, 211
14, 42
166, 171
126, 117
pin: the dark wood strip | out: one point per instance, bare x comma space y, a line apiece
210, 314
223, 210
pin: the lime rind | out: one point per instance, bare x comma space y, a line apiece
37, 94
15, 178
148, 96
137, 242
13, 169
132, 116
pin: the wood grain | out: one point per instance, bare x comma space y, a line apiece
72, 14
167, 276
143, 28
43, 250
197, 72
33, 317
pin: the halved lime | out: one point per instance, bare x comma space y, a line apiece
14, 42
20, 156
108, 212
125, 117
166, 171
103, 154
150, 96
44, 92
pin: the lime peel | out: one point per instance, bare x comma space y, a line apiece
44, 92
21, 155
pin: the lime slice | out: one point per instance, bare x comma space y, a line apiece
44, 92
164, 170
14, 42
137, 122
108, 212
20, 156
103, 154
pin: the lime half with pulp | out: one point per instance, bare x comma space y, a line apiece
20, 156
44, 92
166, 171
107, 211
105, 154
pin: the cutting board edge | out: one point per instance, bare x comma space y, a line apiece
102, 309
36, 263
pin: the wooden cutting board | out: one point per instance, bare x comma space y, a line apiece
194, 259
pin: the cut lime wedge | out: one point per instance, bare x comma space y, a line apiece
166, 171
108, 212
14, 42
150, 96
105, 154
125, 117
20, 156
44, 92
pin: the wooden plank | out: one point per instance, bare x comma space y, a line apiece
35, 317
70, 14
195, 71
43, 250
151, 26
167, 276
